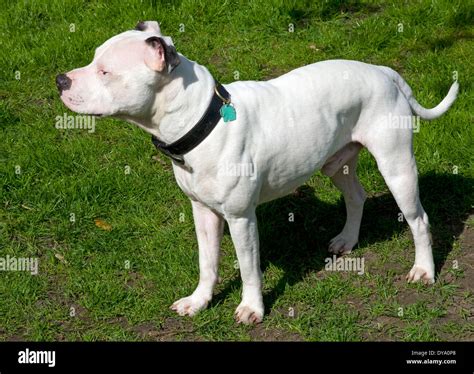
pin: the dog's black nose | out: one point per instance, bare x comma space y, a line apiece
63, 82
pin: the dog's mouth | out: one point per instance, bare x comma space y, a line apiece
97, 115
75, 104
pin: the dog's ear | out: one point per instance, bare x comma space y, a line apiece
162, 54
149, 26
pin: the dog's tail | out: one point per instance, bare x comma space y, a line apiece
424, 113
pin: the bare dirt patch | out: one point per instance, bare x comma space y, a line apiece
171, 329
458, 307
265, 334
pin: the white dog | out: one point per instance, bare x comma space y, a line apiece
316, 117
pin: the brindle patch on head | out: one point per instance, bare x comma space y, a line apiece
141, 26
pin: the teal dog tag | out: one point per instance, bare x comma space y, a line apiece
228, 113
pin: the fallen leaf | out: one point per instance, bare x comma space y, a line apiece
60, 257
101, 224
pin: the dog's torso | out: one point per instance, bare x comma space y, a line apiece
285, 130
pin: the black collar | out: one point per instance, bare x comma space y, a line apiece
199, 132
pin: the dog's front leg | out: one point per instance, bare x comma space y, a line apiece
209, 230
244, 234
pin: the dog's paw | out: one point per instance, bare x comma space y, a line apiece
341, 244
189, 306
249, 315
420, 274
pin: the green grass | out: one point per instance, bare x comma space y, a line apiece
73, 171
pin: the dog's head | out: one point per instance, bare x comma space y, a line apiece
124, 76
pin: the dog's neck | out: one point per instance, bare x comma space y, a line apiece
180, 102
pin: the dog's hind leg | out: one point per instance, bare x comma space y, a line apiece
345, 179
392, 149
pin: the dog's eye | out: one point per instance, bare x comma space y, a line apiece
103, 72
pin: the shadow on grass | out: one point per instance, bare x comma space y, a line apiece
300, 247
